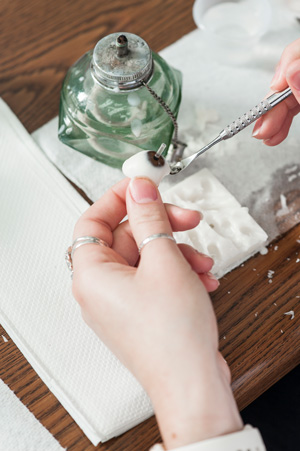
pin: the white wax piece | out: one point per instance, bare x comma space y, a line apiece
140, 165
136, 127
227, 232
133, 99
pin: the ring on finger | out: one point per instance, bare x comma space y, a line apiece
155, 236
80, 242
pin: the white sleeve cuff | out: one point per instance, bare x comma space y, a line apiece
249, 439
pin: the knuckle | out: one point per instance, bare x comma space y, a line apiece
151, 217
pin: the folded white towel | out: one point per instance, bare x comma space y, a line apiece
38, 211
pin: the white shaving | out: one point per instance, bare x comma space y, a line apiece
284, 208
291, 313
291, 169
264, 251
4, 338
136, 127
292, 177
133, 99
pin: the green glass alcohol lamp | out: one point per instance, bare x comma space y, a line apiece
119, 99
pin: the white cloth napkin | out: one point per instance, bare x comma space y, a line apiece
19, 429
214, 94
38, 211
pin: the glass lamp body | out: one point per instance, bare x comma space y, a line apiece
111, 123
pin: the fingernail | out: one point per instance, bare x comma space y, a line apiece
295, 81
277, 76
212, 277
257, 127
143, 191
256, 130
206, 256
266, 141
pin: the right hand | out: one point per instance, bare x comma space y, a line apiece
274, 127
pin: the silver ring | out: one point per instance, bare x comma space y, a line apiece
154, 237
80, 242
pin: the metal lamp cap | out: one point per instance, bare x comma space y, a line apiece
122, 61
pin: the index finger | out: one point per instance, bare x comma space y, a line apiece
104, 215
99, 221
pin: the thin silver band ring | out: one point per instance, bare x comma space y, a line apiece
155, 236
80, 242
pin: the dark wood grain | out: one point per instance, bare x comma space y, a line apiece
39, 40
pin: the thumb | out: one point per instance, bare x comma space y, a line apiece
293, 78
147, 214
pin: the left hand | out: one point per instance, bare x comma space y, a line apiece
154, 311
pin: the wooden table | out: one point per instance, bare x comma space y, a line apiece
39, 40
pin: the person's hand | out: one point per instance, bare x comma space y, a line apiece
155, 313
273, 127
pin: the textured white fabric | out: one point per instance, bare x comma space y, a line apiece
19, 429
249, 439
38, 211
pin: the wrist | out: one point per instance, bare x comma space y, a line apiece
197, 408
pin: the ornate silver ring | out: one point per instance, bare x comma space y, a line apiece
80, 242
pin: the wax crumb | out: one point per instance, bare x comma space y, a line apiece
224, 338
281, 331
291, 169
292, 177
276, 248
264, 251
291, 313
275, 303
136, 127
270, 281
298, 260
255, 314
4, 338
298, 241
270, 273
228, 292
288, 259
254, 269
284, 208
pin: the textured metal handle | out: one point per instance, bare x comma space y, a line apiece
247, 119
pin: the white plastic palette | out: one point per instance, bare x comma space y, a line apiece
227, 232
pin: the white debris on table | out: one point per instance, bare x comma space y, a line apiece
291, 313
284, 210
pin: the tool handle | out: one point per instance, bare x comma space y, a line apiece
252, 115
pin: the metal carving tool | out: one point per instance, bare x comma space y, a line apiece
235, 127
